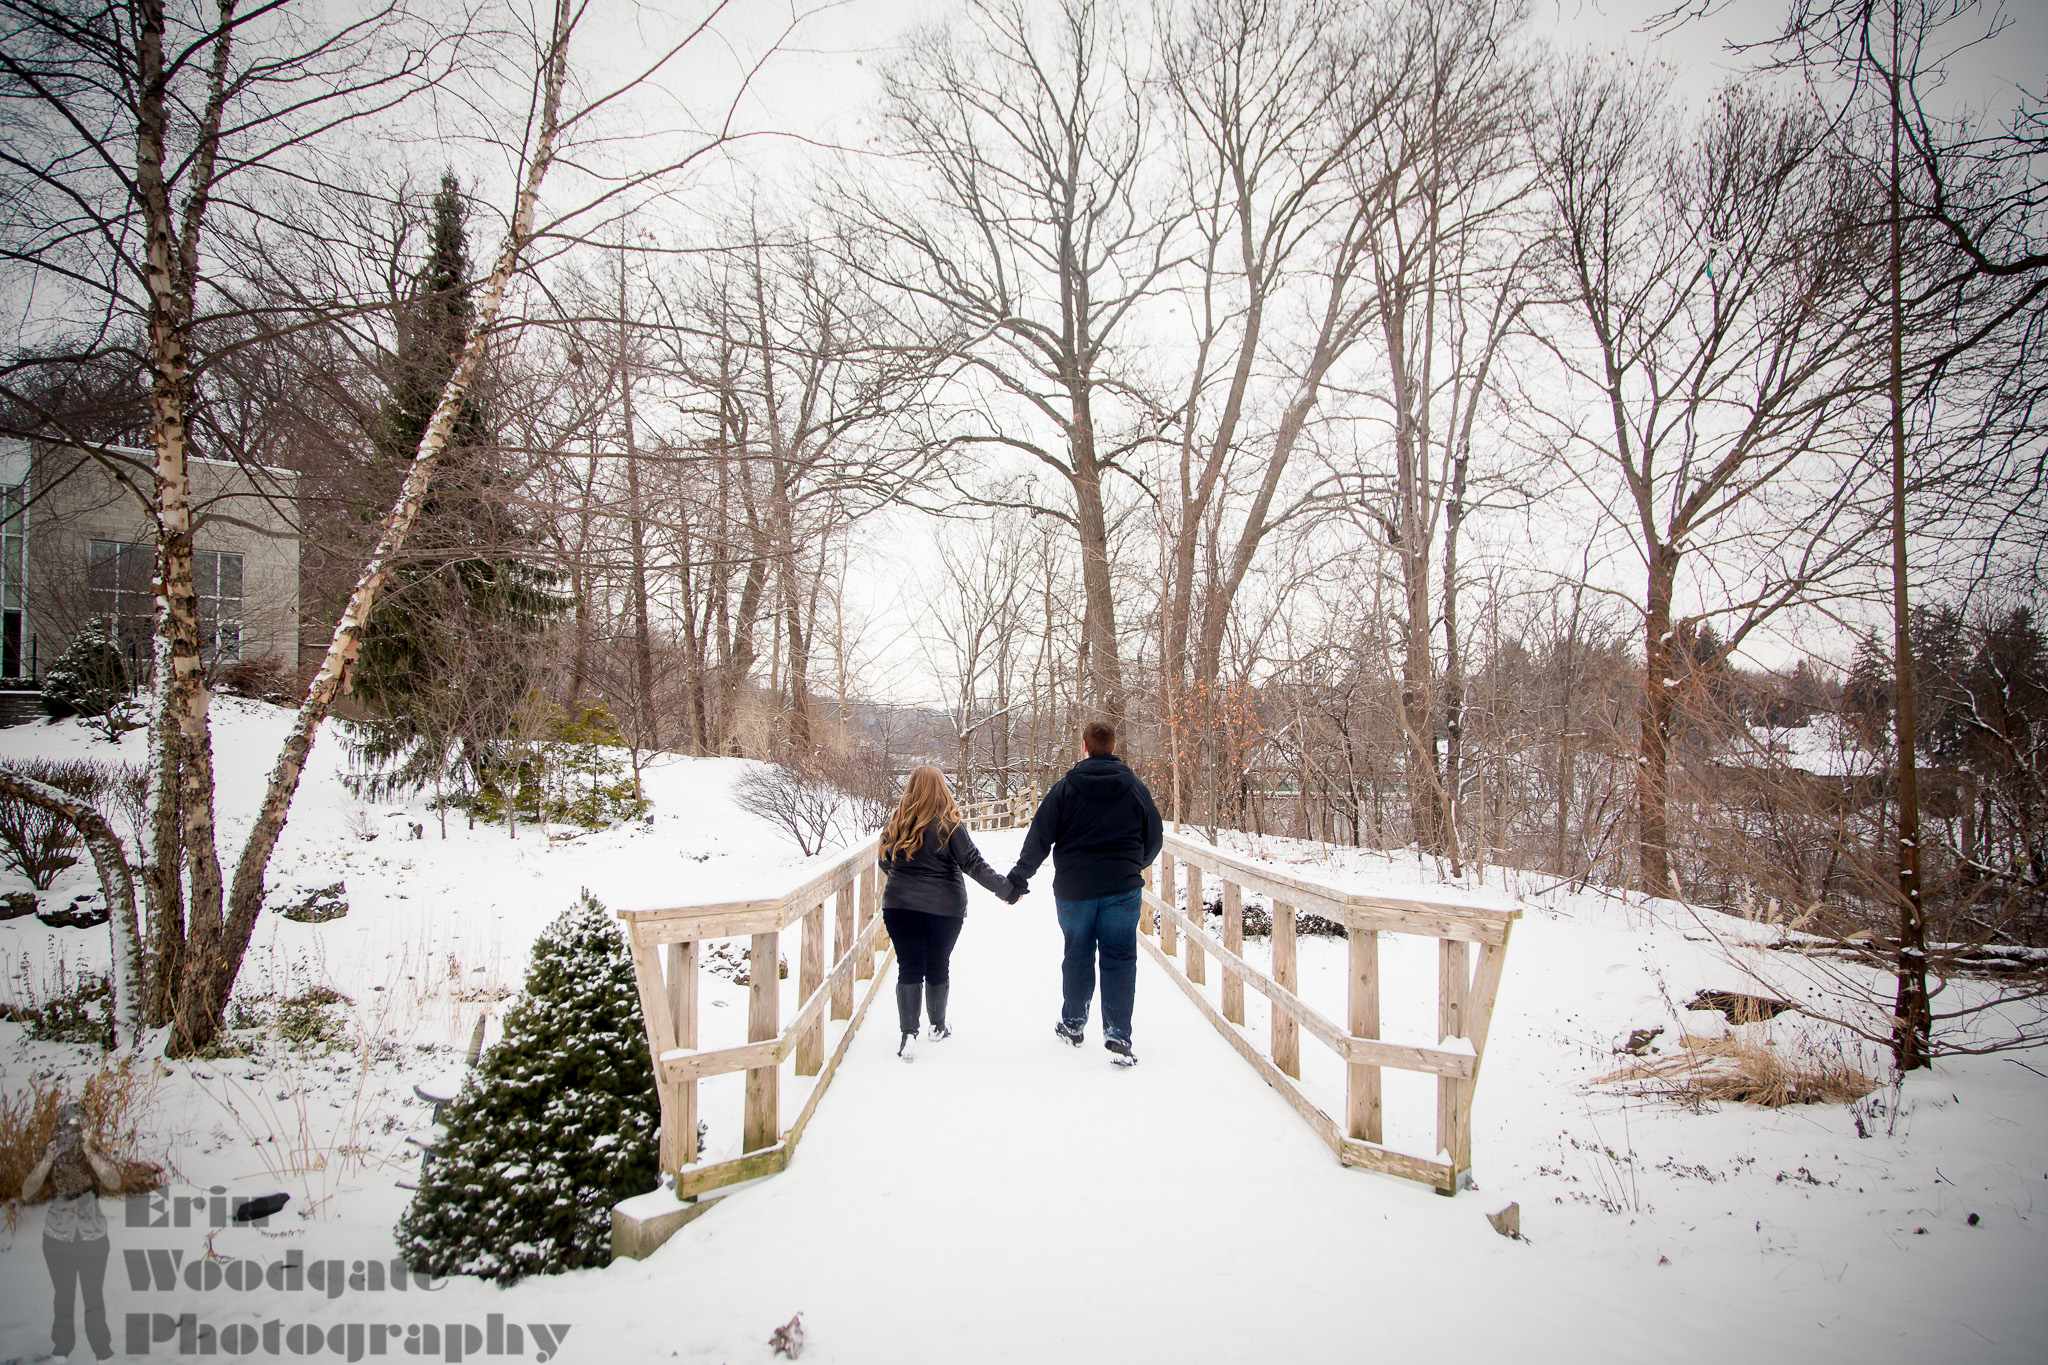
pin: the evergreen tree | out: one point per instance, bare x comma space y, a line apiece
557, 1123
452, 651
88, 678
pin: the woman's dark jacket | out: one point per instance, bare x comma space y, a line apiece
929, 879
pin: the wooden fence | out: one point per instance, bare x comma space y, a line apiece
1465, 995
1003, 812
665, 944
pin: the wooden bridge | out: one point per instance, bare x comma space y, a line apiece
843, 960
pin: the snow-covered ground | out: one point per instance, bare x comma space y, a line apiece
1007, 1198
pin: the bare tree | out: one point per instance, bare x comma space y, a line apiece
1028, 255
1721, 345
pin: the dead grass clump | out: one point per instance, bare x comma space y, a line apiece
1747, 1067
118, 1101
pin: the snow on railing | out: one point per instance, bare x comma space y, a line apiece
1465, 996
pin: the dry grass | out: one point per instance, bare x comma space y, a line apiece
117, 1100
1747, 1066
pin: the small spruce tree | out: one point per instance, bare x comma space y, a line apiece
557, 1123
89, 680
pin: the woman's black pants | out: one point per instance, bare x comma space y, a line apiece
924, 957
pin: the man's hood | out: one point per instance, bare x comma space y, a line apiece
1100, 778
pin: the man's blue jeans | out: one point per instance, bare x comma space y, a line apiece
1107, 927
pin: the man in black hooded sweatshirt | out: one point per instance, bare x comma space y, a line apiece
1103, 831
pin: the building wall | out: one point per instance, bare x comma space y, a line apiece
76, 500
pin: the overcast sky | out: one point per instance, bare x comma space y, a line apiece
820, 88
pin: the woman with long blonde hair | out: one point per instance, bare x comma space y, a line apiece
925, 850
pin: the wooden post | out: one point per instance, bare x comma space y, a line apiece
1286, 1033
762, 1126
1145, 906
810, 1044
1478, 1020
1194, 913
682, 1013
1362, 1082
658, 1021
1453, 983
865, 911
874, 879
1169, 936
1233, 939
842, 943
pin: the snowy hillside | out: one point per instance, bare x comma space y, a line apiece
1009, 1199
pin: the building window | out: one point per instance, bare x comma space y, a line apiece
119, 577
13, 575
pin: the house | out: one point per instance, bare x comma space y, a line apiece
76, 545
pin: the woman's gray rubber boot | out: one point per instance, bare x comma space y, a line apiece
908, 993
935, 1007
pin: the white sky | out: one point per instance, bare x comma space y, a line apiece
819, 90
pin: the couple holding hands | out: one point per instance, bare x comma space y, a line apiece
1103, 831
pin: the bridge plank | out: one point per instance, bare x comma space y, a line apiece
1435, 918
696, 1180
1233, 943
803, 1119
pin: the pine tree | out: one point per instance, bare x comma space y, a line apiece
557, 1123
452, 651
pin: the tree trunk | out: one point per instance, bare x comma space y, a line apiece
180, 783
1653, 756
1912, 1009
110, 859
646, 723
1104, 676
208, 976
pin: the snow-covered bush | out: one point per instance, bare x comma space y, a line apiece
556, 1123
90, 680
573, 773
40, 843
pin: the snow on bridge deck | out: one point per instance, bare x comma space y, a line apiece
1006, 1197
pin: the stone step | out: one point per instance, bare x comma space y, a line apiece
21, 708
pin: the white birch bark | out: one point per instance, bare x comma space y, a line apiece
209, 976
111, 858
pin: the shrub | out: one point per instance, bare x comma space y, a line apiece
117, 1104
35, 842
266, 677
1748, 1066
308, 1021
89, 679
796, 803
77, 1007
555, 1124
573, 775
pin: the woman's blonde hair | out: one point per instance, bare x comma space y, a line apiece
926, 801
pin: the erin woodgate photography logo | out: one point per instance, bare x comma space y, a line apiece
185, 1332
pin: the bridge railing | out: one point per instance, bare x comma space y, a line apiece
1465, 995
666, 943
1002, 812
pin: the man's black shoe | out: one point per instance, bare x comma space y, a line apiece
1120, 1051
1070, 1033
